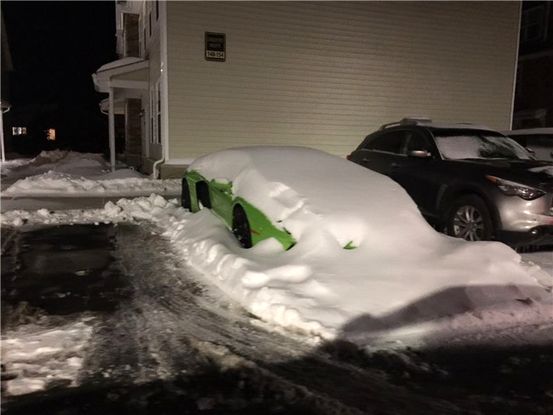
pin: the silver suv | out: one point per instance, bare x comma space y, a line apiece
471, 181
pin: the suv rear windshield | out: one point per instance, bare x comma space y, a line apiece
475, 144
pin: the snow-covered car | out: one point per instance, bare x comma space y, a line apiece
286, 193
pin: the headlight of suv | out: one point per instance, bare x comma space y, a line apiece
516, 189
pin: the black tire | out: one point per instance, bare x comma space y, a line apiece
185, 195
469, 218
202, 193
241, 227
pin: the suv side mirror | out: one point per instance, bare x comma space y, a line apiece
420, 154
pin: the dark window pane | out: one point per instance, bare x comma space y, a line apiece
390, 142
417, 142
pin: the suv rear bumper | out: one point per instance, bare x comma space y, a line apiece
540, 235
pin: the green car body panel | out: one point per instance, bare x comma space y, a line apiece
222, 202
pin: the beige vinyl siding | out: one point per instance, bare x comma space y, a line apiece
326, 74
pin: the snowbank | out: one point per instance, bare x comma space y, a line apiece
84, 164
63, 173
403, 280
362, 295
55, 183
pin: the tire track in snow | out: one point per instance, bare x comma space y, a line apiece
176, 325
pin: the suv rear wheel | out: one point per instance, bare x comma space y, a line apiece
469, 218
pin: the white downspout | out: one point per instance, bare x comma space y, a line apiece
111, 130
155, 170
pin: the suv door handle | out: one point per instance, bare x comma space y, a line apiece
394, 165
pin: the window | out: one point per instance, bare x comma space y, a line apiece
467, 144
131, 34
149, 24
19, 130
388, 142
532, 26
51, 134
157, 9
417, 142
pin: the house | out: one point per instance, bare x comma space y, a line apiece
194, 77
534, 89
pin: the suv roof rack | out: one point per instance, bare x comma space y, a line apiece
407, 121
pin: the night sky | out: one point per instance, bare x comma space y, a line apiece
55, 48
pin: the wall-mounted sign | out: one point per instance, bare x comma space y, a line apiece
215, 46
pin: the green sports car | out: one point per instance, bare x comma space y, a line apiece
296, 194
248, 223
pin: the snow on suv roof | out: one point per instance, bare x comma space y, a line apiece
427, 122
529, 131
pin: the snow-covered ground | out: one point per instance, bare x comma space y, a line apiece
44, 355
70, 174
403, 282
404, 285
319, 301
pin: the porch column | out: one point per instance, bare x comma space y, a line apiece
111, 130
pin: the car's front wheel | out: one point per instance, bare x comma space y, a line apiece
469, 218
241, 227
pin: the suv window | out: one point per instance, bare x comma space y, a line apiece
417, 142
475, 144
390, 142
